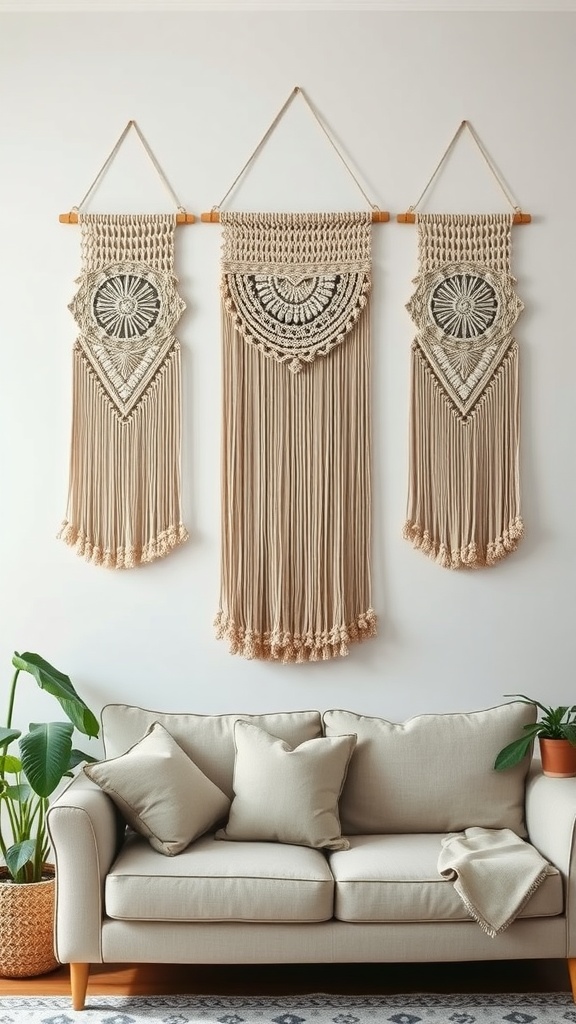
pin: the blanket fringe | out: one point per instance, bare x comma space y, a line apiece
281, 645
490, 931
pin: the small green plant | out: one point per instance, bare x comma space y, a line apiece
46, 756
554, 724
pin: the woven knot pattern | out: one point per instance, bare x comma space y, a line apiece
464, 237
123, 237
298, 239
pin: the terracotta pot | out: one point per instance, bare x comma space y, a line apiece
27, 926
558, 758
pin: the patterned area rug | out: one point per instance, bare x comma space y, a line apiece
535, 1008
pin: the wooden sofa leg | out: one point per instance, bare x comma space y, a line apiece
79, 983
572, 972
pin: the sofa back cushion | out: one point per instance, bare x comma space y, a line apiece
207, 739
433, 773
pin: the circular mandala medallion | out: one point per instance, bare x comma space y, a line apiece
126, 306
464, 306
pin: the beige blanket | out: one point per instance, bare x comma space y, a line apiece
494, 872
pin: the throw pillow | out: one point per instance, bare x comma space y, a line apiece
161, 793
287, 794
433, 773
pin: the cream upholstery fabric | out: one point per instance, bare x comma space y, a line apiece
207, 739
161, 792
214, 881
433, 773
396, 878
285, 794
328, 942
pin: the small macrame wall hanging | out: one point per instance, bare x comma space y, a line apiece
296, 516
464, 493
124, 487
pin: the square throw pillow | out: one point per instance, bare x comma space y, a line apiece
161, 792
433, 773
287, 794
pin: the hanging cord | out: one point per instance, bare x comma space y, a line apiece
182, 215
297, 89
491, 166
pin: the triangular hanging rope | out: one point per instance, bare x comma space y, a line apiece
464, 494
213, 215
124, 490
519, 217
182, 217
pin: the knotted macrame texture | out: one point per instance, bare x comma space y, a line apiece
124, 491
295, 577
464, 495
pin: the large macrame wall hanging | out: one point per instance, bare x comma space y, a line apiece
124, 490
464, 494
296, 502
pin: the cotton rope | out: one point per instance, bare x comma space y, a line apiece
295, 568
124, 490
464, 494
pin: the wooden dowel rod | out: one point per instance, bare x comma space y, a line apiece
213, 217
72, 218
410, 218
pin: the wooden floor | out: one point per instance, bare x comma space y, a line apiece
290, 979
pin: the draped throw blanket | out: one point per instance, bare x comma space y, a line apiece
494, 873
295, 576
124, 491
464, 499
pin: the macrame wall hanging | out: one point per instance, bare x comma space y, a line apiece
295, 568
124, 488
464, 494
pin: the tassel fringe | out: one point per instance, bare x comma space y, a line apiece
287, 647
296, 487
470, 556
122, 557
124, 501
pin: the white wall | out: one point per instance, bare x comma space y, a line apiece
203, 87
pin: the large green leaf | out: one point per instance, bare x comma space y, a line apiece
8, 735
10, 764
78, 757
19, 855
60, 686
513, 753
45, 753
18, 794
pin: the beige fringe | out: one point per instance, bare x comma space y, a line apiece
124, 498
464, 501
296, 497
464, 491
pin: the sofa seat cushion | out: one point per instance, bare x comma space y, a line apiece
216, 881
395, 878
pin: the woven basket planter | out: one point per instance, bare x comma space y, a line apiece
27, 927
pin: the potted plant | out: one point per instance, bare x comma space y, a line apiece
556, 732
27, 779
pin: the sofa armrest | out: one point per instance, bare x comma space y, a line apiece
86, 831
551, 823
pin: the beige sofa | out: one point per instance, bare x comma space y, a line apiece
299, 837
